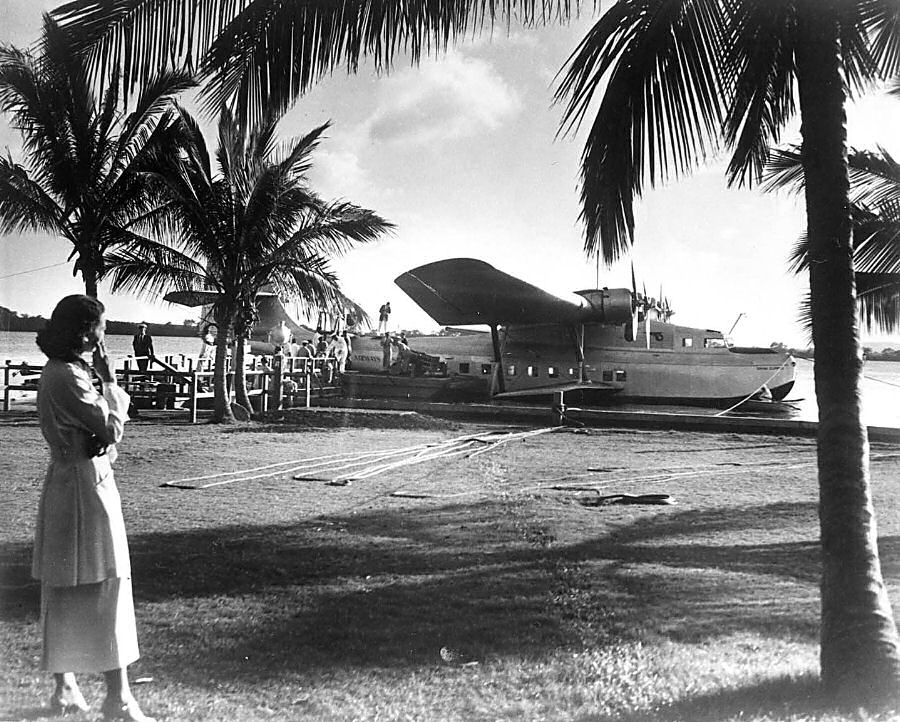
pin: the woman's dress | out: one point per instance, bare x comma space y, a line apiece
80, 549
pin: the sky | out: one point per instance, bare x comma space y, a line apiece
463, 154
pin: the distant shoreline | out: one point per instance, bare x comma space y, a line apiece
12, 321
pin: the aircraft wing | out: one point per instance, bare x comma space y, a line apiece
467, 291
192, 298
204, 298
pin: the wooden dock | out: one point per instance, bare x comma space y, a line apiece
184, 383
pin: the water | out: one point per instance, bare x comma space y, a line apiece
19, 346
881, 379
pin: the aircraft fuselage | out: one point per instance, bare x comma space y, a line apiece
680, 364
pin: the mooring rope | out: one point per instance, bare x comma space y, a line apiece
757, 390
881, 381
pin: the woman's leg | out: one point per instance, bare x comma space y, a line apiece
67, 697
119, 704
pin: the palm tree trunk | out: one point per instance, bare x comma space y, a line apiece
860, 650
222, 413
89, 276
240, 380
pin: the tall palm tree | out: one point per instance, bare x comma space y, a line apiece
678, 78
875, 212
254, 224
78, 181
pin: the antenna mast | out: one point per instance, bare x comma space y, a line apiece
740, 316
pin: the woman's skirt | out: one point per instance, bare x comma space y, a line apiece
89, 627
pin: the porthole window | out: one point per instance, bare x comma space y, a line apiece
607, 375
485, 369
464, 368
552, 372
621, 375
511, 370
533, 371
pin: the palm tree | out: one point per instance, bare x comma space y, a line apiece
81, 151
678, 78
875, 211
256, 224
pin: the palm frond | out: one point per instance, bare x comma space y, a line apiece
879, 301
340, 227
881, 18
297, 159
760, 59
784, 171
661, 109
804, 317
266, 53
25, 205
155, 102
798, 260
148, 269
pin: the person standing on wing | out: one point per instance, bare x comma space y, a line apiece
383, 315
80, 548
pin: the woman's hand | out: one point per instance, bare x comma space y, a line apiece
102, 365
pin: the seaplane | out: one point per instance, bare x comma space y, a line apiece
616, 345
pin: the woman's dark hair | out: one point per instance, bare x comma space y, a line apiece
73, 318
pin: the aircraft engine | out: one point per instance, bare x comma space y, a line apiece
609, 305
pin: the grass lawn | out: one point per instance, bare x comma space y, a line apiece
474, 587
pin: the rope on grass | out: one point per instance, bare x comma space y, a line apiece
301, 463
372, 462
491, 441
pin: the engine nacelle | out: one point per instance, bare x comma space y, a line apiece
609, 305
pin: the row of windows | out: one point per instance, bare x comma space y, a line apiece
553, 372
534, 371
466, 368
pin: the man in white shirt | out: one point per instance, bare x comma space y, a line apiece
338, 347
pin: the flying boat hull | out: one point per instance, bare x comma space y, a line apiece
595, 353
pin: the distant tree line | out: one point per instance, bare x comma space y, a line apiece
888, 354
869, 353
12, 321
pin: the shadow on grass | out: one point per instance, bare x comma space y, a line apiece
779, 698
392, 587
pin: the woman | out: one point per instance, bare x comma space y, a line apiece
80, 550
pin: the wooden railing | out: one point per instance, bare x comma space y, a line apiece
184, 382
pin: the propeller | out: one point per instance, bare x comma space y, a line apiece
632, 329
642, 306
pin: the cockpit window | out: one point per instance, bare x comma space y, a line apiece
714, 342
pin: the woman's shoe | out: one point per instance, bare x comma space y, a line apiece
69, 703
127, 711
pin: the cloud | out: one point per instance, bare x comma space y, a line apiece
337, 169
455, 97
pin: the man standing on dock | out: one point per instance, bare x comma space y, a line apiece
142, 344
338, 347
